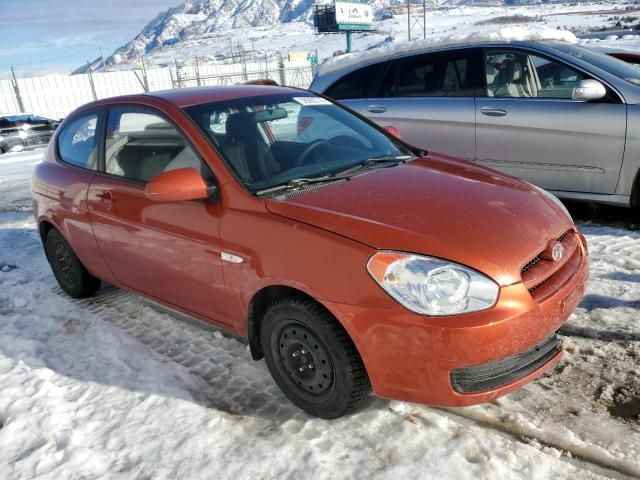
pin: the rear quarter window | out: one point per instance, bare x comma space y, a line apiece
356, 84
77, 142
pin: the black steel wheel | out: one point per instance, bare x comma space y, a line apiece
71, 275
305, 358
312, 358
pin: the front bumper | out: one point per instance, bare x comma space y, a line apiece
412, 358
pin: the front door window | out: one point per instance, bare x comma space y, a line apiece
516, 74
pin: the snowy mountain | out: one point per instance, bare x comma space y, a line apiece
194, 20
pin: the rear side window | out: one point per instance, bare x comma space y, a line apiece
356, 84
77, 142
140, 145
430, 75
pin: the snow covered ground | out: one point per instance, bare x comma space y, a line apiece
110, 387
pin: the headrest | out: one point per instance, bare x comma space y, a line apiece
239, 123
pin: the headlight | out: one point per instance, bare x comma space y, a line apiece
432, 286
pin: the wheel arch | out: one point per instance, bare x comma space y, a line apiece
635, 191
257, 308
260, 303
44, 227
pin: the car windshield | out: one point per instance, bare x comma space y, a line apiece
617, 67
272, 140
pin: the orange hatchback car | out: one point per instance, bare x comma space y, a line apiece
348, 259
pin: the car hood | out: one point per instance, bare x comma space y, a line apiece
438, 206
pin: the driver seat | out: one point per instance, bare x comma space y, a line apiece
246, 150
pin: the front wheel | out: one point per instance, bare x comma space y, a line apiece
312, 359
71, 275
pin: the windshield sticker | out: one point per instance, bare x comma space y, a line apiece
311, 101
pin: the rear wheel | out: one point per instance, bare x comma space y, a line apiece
71, 275
312, 359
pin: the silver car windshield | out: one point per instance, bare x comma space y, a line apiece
606, 62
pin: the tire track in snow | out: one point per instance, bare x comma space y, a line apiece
596, 460
597, 468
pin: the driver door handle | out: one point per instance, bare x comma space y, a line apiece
376, 108
106, 199
493, 112
105, 196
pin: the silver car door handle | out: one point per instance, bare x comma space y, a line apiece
376, 108
493, 112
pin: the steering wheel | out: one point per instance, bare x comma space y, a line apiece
305, 156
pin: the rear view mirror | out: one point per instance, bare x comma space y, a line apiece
271, 114
393, 131
588, 90
180, 185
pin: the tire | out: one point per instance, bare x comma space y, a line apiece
312, 358
71, 275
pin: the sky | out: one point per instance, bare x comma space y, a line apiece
46, 36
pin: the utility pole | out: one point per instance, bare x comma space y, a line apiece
409, 20
178, 73
91, 84
197, 72
101, 57
424, 18
414, 24
145, 79
16, 89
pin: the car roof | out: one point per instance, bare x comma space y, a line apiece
360, 59
186, 97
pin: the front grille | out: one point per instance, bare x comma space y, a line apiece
502, 372
531, 264
543, 277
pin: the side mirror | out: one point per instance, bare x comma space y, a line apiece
393, 131
588, 90
180, 185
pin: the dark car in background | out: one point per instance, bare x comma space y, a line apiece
629, 57
25, 131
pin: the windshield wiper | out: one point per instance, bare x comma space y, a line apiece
301, 182
343, 175
392, 160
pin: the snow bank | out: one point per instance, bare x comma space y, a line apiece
506, 34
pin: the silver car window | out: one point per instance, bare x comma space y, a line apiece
431, 75
517, 74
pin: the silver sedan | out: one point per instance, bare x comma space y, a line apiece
558, 115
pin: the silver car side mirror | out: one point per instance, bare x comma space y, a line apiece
588, 90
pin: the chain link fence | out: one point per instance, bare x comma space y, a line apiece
56, 95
